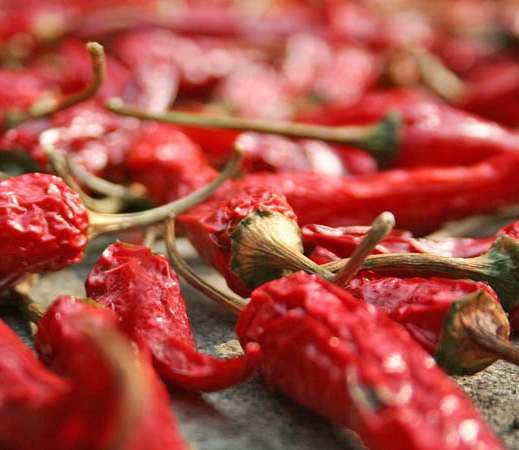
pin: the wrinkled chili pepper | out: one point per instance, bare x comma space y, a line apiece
144, 291
460, 322
497, 267
133, 406
44, 226
214, 224
324, 244
380, 382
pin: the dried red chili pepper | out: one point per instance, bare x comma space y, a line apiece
122, 402
213, 225
324, 244
380, 137
386, 388
270, 153
421, 198
165, 161
144, 291
430, 128
460, 322
497, 267
44, 226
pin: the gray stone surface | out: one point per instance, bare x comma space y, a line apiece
252, 416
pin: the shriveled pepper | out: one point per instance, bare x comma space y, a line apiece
324, 244
127, 405
214, 226
44, 225
460, 322
144, 291
379, 381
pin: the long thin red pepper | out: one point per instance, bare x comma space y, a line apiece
431, 129
144, 291
79, 341
421, 198
379, 381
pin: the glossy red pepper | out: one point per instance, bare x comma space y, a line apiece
127, 404
460, 322
379, 381
421, 198
144, 291
270, 153
431, 128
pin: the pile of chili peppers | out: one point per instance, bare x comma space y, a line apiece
275, 140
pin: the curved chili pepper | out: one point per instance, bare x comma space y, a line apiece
143, 290
460, 322
118, 398
379, 381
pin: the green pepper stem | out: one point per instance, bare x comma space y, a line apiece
109, 223
380, 228
47, 107
493, 344
232, 303
380, 139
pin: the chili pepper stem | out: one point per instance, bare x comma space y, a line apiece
499, 267
380, 139
380, 227
47, 107
267, 245
474, 335
232, 303
108, 223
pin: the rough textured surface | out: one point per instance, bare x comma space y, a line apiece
253, 417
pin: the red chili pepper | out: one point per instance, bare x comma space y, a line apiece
379, 381
324, 244
421, 198
460, 322
44, 225
167, 162
121, 402
29, 392
270, 153
430, 130
214, 226
143, 290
